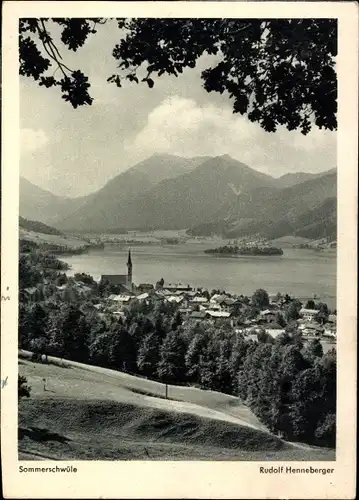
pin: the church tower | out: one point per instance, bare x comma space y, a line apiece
129, 271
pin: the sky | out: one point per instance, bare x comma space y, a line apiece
73, 152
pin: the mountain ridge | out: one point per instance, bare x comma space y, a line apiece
179, 201
199, 193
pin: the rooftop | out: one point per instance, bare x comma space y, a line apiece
115, 279
218, 314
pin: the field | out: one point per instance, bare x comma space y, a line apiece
90, 413
71, 242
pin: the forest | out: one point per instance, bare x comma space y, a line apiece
249, 250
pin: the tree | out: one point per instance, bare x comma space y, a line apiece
23, 390
323, 313
75, 330
61, 279
122, 350
37, 329
293, 309
260, 299
149, 355
310, 304
160, 283
280, 320
313, 349
28, 274
84, 278
306, 409
194, 355
279, 72
171, 367
177, 321
264, 337
224, 382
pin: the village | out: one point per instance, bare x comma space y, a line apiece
250, 316
271, 314
199, 305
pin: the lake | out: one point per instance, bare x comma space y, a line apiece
299, 272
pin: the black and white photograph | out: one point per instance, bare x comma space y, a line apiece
178, 240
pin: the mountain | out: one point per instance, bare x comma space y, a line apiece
164, 166
288, 180
108, 208
37, 227
41, 205
207, 195
174, 203
307, 209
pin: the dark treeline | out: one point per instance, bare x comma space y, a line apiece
27, 246
253, 250
291, 388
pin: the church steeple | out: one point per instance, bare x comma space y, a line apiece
129, 271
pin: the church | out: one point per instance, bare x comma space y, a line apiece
123, 281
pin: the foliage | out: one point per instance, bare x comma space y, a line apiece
84, 278
260, 299
149, 355
171, 366
252, 250
38, 227
292, 312
23, 390
310, 304
279, 72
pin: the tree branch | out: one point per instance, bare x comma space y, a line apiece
49, 47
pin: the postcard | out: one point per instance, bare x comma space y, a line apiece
179, 220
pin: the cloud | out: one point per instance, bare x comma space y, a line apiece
181, 126
31, 140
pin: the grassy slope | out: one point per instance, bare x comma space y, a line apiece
52, 239
89, 415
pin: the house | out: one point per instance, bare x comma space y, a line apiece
332, 318
177, 299
143, 296
218, 298
274, 332
83, 290
214, 307
231, 305
174, 287
308, 314
197, 315
330, 331
311, 329
185, 312
218, 316
267, 316
120, 280
145, 287
121, 299
199, 300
